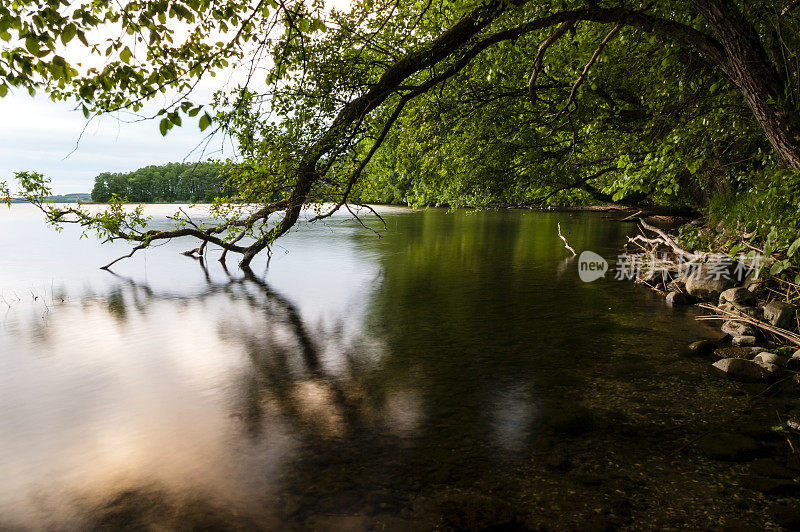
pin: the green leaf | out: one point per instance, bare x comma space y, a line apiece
3, 90
777, 268
68, 33
32, 45
205, 121
125, 55
163, 126
793, 248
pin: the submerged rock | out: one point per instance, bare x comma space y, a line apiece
701, 348
738, 328
738, 296
730, 447
743, 370
678, 298
771, 486
743, 341
769, 467
786, 515
780, 314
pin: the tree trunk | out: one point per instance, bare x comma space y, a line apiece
751, 70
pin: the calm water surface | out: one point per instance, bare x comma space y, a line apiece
455, 372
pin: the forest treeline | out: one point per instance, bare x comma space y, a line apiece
193, 182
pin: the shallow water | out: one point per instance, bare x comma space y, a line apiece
455, 372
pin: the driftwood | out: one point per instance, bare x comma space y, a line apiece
566, 244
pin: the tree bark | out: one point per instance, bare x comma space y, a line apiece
749, 67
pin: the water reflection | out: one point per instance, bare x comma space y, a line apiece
409, 381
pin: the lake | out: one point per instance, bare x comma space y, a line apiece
454, 373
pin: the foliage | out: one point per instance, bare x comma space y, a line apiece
113, 223
461, 103
769, 212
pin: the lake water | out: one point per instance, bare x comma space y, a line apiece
454, 373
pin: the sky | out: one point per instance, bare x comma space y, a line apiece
44, 136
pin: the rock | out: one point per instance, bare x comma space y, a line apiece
676, 285
701, 348
770, 486
773, 370
738, 352
780, 314
678, 298
786, 515
769, 358
738, 328
729, 447
796, 354
743, 370
743, 341
793, 364
739, 310
738, 296
707, 281
768, 467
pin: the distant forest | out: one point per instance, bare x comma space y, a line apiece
193, 182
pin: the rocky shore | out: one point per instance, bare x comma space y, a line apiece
759, 319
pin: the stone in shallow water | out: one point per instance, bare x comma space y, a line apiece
742, 370
677, 298
738, 328
780, 314
794, 362
738, 296
771, 486
769, 358
743, 341
729, 447
708, 281
701, 348
768, 467
788, 516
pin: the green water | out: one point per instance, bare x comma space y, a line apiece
454, 373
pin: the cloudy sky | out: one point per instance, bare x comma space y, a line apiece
40, 135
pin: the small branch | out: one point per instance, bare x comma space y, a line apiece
537, 63
566, 244
668, 240
134, 250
